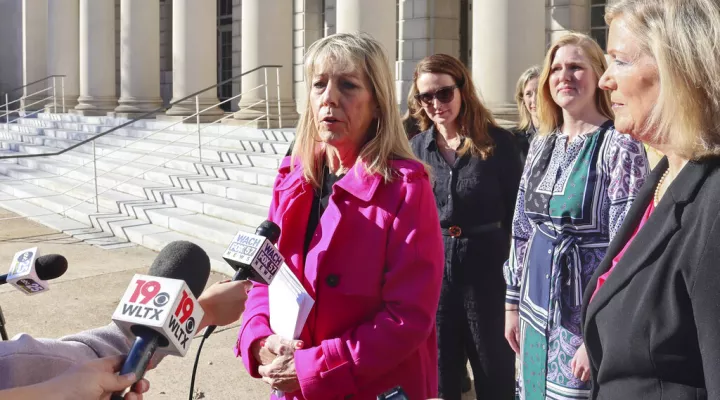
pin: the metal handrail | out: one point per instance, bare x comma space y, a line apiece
82, 183
51, 99
7, 114
34, 82
30, 95
147, 114
143, 154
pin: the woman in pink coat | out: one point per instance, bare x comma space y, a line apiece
360, 230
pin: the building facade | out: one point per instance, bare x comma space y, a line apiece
131, 56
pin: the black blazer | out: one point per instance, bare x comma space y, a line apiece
653, 329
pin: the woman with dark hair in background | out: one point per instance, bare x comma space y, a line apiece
476, 171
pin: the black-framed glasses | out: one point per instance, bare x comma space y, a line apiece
444, 95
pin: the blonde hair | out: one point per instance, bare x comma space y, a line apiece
474, 120
525, 117
549, 113
682, 36
354, 51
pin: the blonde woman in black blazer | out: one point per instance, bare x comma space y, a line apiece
652, 329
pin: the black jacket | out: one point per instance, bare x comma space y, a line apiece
473, 191
653, 329
524, 138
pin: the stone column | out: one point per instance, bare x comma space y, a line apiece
376, 17
567, 16
330, 17
263, 46
424, 28
508, 37
139, 57
63, 44
194, 39
34, 48
97, 57
308, 29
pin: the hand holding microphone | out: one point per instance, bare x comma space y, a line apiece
223, 302
254, 257
93, 380
96, 380
159, 310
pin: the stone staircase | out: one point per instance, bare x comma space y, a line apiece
153, 191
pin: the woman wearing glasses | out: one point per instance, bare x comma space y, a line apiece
476, 171
580, 178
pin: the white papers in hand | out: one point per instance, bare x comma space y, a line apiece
290, 304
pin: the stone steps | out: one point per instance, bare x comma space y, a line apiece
217, 220
150, 192
105, 145
257, 141
250, 210
105, 229
131, 162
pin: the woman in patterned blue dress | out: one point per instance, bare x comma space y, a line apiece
580, 179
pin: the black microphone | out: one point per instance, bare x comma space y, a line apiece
30, 274
47, 267
157, 310
396, 393
254, 257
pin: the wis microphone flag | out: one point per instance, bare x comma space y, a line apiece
29, 272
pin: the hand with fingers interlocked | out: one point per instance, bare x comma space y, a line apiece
277, 358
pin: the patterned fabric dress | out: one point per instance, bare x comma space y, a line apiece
573, 198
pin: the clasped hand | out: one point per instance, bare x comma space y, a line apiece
277, 358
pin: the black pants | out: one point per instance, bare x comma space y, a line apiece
471, 320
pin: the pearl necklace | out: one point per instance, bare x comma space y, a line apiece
656, 200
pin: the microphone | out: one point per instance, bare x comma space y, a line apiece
160, 310
29, 272
396, 393
254, 257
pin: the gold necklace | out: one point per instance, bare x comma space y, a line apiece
656, 199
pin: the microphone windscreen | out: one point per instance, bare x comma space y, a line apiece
270, 230
183, 260
50, 266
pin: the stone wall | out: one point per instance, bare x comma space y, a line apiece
166, 52
330, 17
563, 16
236, 49
307, 28
425, 27
11, 56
